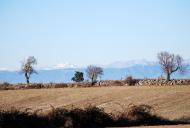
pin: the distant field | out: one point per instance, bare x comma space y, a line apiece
169, 101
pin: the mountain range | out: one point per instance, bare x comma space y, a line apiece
114, 71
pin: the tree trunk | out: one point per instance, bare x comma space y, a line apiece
27, 81
27, 78
92, 81
168, 76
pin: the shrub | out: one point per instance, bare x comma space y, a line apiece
140, 112
34, 86
88, 117
130, 81
117, 83
60, 85
15, 118
83, 118
137, 115
6, 86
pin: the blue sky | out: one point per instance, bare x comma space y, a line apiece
84, 32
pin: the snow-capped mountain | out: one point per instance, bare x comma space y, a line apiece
58, 66
125, 64
114, 71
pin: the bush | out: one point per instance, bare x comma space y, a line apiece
88, 117
117, 83
15, 118
6, 86
137, 115
139, 112
130, 81
34, 86
83, 118
60, 85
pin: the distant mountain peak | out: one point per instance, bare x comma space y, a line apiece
58, 66
3, 69
8, 70
130, 63
64, 65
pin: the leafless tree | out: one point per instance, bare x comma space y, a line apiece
171, 63
28, 68
93, 72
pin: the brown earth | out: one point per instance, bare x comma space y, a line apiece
169, 101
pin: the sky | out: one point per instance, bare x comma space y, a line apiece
83, 32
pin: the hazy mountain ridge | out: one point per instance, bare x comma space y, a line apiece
114, 71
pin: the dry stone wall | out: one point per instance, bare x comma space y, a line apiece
140, 82
163, 82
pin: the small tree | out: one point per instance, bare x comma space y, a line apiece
78, 77
171, 63
28, 68
93, 72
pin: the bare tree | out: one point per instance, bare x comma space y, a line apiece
28, 68
93, 72
171, 63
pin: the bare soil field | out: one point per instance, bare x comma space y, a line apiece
168, 101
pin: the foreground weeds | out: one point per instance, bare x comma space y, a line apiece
83, 118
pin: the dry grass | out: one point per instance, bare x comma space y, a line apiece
169, 101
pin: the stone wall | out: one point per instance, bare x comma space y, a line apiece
148, 82
136, 82
164, 82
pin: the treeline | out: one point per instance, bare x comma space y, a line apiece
169, 63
